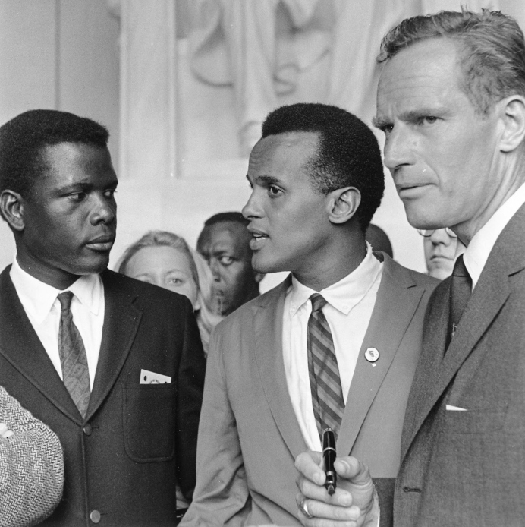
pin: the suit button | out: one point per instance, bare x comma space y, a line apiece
88, 429
94, 516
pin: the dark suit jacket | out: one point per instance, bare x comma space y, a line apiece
123, 459
31, 467
249, 436
467, 468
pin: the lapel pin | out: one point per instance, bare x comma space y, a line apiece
371, 355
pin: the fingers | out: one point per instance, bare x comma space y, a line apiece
311, 510
311, 491
309, 465
350, 468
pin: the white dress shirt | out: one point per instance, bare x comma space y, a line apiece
43, 310
479, 248
348, 311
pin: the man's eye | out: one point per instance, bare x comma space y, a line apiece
77, 196
427, 120
226, 260
274, 190
173, 280
110, 193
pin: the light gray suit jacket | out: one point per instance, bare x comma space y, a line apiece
467, 467
31, 467
249, 436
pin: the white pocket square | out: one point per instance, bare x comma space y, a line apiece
452, 408
150, 377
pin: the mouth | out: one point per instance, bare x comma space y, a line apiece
101, 244
258, 239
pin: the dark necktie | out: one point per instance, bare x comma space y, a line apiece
325, 383
72, 353
460, 292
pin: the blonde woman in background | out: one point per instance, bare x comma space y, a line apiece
165, 259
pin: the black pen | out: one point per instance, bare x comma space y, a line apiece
329, 455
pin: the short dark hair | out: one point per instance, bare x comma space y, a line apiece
348, 153
23, 138
231, 216
491, 48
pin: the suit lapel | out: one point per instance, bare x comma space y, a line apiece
21, 347
385, 334
121, 321
489, 296
268, 319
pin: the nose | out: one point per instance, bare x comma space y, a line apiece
398, 148
104, 210
440, 236
215, 269
251, 209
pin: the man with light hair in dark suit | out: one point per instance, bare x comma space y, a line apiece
451, 103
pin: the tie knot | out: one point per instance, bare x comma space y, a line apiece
318, 302
65, 300
460, 269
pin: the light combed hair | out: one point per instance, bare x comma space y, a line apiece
491, 48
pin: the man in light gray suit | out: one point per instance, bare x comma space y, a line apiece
31, 466
451, 103
317, 179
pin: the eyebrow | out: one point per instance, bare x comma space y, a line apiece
264, 180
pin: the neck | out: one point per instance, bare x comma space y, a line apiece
335, 266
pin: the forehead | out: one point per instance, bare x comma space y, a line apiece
69, 162
282, 154
152, 257
229, 235
425, 73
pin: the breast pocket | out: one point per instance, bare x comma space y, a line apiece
149, 422
476, 421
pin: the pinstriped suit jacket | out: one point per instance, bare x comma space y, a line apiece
31, 467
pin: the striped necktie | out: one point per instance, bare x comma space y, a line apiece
75, 372
325, 383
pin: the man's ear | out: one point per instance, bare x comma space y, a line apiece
342, 204
512, 114
12, 208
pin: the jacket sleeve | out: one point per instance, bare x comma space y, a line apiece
190, 384
221, 496
31, 467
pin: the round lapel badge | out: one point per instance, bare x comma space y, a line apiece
371, 354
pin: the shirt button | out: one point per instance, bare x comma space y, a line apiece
94, 516
88, 429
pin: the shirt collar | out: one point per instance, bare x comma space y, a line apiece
38, 298
344, 294
479, 248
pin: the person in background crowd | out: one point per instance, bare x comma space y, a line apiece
113, 366
31, 466
379, 239
165, 259
441, 247
225, 244
334, 345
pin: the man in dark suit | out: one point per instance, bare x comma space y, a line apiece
31, 466
112, 365
451, 102
317, 179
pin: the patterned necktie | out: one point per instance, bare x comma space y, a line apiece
325, 383
460, 292
72, 353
